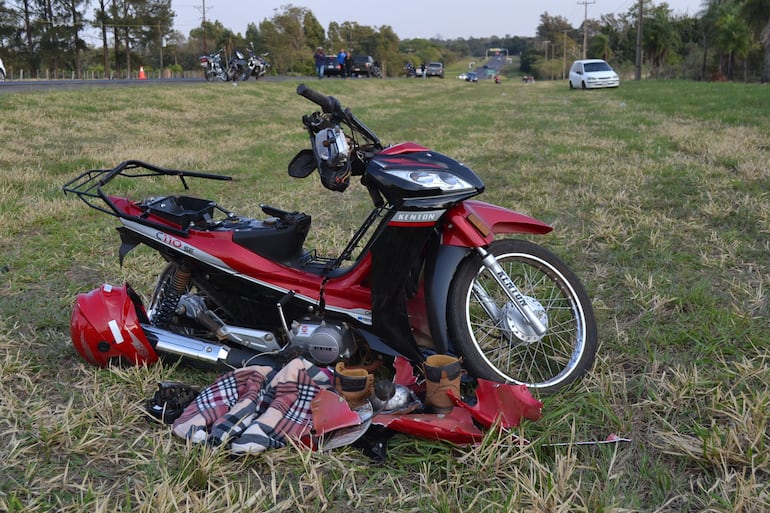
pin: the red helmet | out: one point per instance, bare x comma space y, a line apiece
105, 326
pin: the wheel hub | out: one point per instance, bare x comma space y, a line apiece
516, 326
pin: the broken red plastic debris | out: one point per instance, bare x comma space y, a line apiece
455, 427
404, 372
509, 403
331, 412
500, 403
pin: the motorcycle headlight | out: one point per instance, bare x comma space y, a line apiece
432, 179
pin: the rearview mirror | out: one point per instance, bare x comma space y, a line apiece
303, 164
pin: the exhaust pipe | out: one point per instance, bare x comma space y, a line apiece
172, 343
215, 355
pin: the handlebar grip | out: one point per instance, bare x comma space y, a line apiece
328, 104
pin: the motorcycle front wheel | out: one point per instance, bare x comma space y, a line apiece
494, 340
245, 75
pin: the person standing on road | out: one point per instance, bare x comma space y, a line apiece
349, 63
341, 61
319, 57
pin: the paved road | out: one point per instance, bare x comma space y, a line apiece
40, 85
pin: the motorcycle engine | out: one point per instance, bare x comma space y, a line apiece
323, 342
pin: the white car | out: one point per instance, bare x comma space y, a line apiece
2, 71
591, 74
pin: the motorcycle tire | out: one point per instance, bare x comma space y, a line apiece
208, 75
245, 74
491, 345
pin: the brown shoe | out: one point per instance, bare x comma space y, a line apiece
442, 374
355, 385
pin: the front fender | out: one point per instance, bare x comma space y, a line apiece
469, 225
475, 223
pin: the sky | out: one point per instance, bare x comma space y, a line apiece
446, 19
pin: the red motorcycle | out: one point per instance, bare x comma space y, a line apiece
426, 272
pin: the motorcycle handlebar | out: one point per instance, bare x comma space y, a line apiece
328, 104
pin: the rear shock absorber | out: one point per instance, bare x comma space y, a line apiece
173, 289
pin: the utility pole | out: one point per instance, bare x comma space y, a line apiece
203, 25
160, 33
638, 70
564, 57
585, 4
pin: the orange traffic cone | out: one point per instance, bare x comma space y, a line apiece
142, 75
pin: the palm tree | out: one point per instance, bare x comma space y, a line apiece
733, 38
757, 15
659, 36
601, 47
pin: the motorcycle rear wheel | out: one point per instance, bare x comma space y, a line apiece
208, 75
486, 336
245, 75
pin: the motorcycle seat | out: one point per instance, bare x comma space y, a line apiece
279, 240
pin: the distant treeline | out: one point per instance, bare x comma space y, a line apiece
728, 39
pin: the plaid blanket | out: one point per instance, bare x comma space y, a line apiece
255, 408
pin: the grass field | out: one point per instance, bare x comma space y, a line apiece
659, 194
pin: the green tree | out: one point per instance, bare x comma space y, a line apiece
551, 26
732, 38
659, 36
154, 22
285, 36
600, 47
386, 51
102, 22
757, 15
620, 29
314, 32
74, 9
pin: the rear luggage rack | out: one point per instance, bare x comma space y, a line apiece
88, 187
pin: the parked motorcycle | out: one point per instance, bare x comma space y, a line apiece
256, 66
213, 66
429, 270
237, 67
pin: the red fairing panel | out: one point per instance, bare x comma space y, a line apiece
348, 291
459, 231
404, 147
